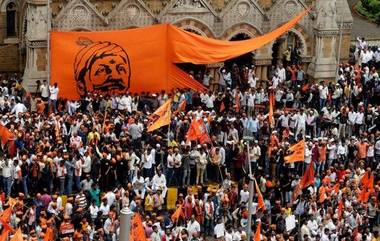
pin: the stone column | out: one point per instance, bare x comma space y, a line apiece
324, 62
36, 44
262, 67
214, 71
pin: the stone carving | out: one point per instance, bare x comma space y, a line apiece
243, 9
37, 23
133, 12
188, 4
79, 14
290, 7
326, 14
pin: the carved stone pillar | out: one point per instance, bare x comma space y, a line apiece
324, 62
323, 65
262, 65
36, 44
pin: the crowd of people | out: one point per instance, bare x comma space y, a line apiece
77, 164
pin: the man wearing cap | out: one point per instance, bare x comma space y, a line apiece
155, 236
159, 182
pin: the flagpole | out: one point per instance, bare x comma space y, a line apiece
170, 113
251, 192
48, 40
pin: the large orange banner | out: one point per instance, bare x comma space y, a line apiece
139, 60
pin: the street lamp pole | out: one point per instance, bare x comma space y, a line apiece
125, 224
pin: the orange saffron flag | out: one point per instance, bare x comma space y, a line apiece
178, 214
164, 118
5, 135
260, 198
258, 232
6, 215
322, 194
141, 59
271, 107
49, 235
308, 176
11, 202
237, 102
198, 132
364, 195
182, 106
17, 236
307, 180
137, 229
222, 107
162, 109
4, 235
367, 181
298, 153
336, 188
340, 209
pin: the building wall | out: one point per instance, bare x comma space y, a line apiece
220, 19
10, 60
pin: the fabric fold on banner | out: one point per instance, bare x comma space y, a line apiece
192, 48
140, 60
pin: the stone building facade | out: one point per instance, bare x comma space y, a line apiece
317, 36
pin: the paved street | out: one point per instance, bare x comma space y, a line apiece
362, 27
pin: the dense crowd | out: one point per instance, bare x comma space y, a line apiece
78, 163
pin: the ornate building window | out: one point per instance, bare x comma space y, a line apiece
11, 19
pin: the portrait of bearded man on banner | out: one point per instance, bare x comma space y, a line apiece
101, 67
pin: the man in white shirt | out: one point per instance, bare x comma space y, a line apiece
44, 90
244, 194
7, 175
193, 227
148, 161
19, 108
159, 182
377, 58
78, 173
323, 94
351, 121
54, 90
301, 123
359, 121
255, 154
94, 210
367, 57
219, 229
281, 73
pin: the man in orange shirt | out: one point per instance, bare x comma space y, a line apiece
362, 149
322, 152
40, 106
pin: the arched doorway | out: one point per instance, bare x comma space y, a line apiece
243, 60
291, 42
